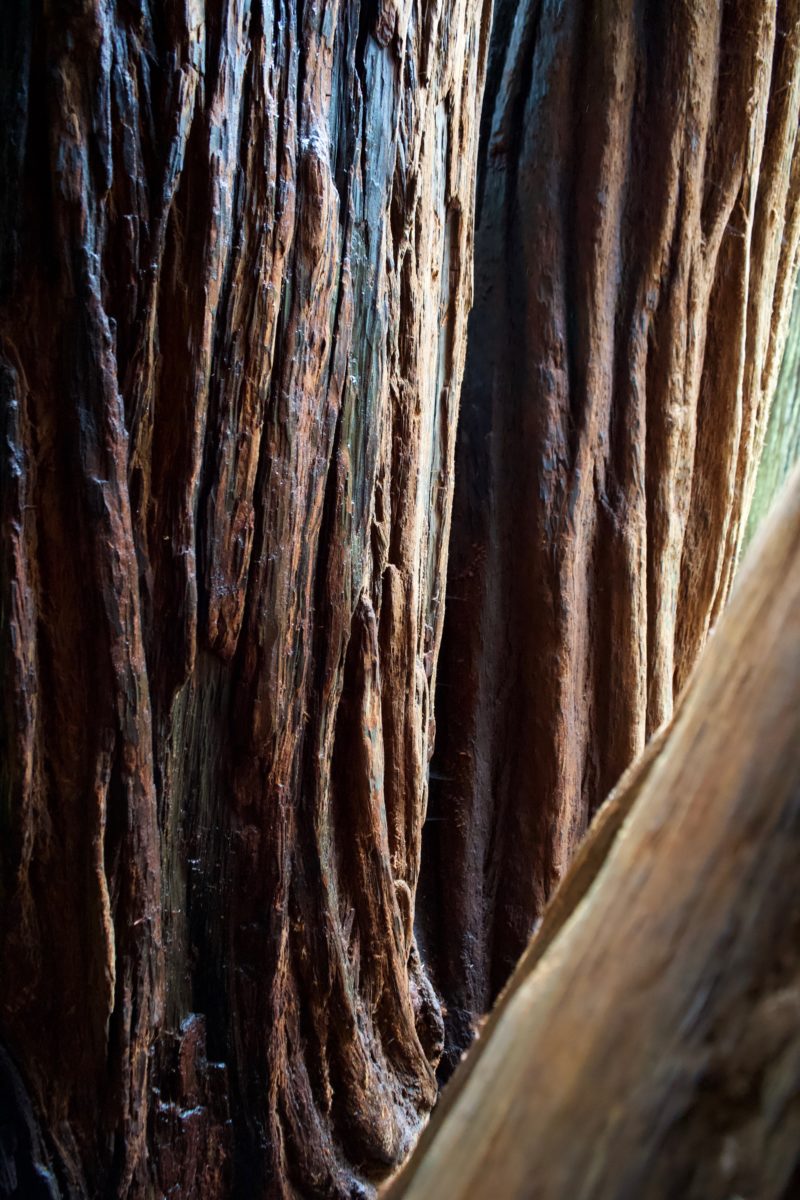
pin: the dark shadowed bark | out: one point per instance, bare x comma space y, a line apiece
648, 1044
636, 246
236, 263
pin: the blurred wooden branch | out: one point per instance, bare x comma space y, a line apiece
648, 1044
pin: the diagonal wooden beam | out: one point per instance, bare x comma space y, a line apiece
648, 1045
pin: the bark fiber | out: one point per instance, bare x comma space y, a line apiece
236, 263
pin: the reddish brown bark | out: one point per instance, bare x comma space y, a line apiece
636, 245
236, 265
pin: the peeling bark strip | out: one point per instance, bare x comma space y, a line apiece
236, 262
636, 246
648, 1044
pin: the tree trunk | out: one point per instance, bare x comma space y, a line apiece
235, 266
636, 246
236, 263
648, 1044
782, 442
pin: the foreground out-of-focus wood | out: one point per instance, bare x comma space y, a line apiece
649, 1043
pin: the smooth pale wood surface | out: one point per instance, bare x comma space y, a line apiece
649, 1043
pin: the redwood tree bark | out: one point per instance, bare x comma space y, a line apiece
636, 247
236, 263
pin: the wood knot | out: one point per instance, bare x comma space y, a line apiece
315, 193
402, 894
385, 22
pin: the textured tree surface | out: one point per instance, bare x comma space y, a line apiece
236, 262
782, 442
636, 247
648, 1044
